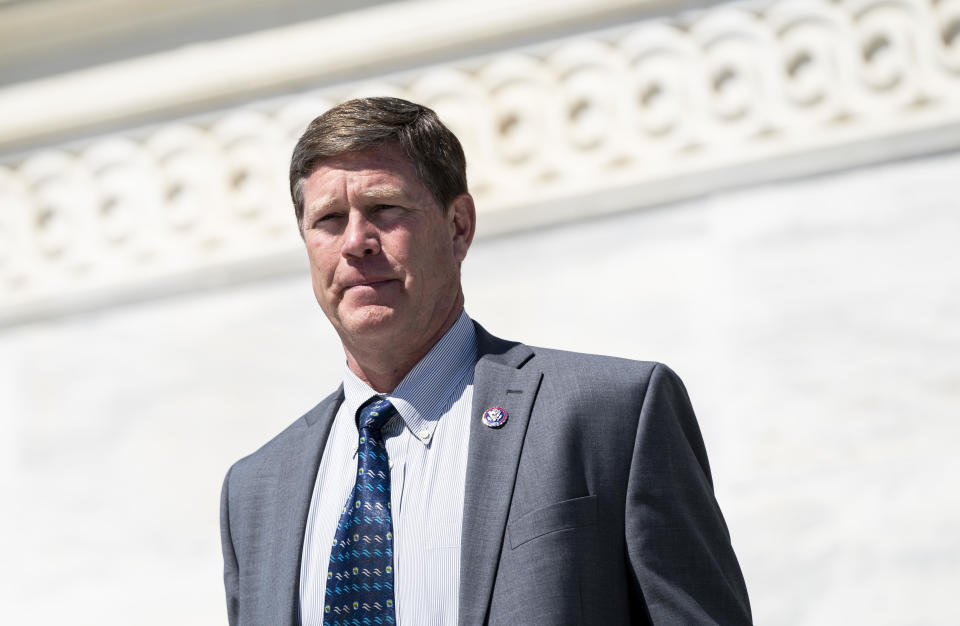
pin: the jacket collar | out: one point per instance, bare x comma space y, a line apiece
504, 378
297, 475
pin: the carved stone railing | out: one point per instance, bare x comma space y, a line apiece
646, 112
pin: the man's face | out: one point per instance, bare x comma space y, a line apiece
384, 256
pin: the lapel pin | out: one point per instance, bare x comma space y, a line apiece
494, 417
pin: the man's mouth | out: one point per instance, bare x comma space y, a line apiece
373, 283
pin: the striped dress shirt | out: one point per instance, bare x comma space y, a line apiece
427, 445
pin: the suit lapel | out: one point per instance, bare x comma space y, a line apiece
493, 457
297, 475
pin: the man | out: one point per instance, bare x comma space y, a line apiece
456, 477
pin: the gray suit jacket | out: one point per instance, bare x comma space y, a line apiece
593, 504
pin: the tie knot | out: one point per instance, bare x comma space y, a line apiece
375, 413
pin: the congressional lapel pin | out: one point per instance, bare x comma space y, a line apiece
494, 417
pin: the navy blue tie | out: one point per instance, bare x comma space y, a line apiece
360, 578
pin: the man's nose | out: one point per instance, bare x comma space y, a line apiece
361, 237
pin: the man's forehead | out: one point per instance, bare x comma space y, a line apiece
327, 187
385, 191
384, 157
372, 174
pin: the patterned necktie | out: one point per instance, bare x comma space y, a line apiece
360, 578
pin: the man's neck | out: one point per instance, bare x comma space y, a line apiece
383, 368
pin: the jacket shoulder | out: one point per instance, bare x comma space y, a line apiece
581, 365
603, 386
564, 362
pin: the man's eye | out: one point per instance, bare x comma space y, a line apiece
325, 218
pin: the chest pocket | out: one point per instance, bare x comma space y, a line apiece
574, 513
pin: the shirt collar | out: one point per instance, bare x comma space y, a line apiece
431, 387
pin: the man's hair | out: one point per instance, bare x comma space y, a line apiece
366, 123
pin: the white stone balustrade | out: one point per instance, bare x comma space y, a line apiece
646, 112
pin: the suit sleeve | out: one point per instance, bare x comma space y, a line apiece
683, 567
231, 569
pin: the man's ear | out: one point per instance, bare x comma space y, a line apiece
463, 224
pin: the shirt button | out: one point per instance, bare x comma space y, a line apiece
424, 434
390, 464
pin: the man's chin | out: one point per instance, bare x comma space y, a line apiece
368, 320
